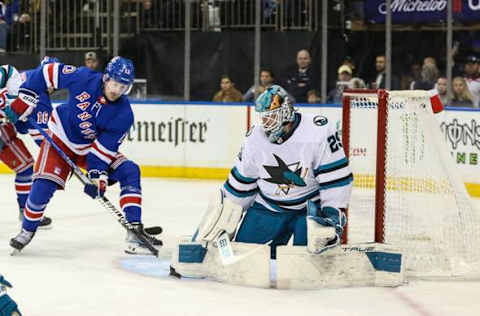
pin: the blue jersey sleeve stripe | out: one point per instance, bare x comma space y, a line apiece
294, 202
337, 183
239, 193
242, 179
342, 163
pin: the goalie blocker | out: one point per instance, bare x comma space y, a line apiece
298, 267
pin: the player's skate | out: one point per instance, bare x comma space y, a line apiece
135, 246
45, 222
21, 240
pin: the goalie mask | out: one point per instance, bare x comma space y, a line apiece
275, 110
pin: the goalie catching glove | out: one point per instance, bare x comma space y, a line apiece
324, 227
99, 183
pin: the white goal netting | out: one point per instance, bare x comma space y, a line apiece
426, 209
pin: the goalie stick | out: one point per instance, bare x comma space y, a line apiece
226, 251
103, 200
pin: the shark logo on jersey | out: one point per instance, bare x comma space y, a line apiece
286, 176
320, 120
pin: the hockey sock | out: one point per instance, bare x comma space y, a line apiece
131, 203
23, 183
40, 194
128, 174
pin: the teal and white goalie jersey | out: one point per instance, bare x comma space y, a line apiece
309, 165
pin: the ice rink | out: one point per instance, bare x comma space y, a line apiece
79, 268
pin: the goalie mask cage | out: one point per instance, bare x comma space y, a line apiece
406, 189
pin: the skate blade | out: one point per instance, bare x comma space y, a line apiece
139, 253
45, 227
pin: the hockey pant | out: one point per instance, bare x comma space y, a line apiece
260, 225
16, 156
51, 172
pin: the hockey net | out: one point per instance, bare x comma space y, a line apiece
406, 188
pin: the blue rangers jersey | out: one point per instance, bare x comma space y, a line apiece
309, 165
88, 124
40, 114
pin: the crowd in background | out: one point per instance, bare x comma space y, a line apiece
302, 79
302, 84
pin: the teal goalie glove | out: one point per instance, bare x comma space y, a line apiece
8, 307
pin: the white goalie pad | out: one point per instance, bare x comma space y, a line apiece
202, 260
369, 264
221, 215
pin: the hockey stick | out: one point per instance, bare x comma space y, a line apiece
103, 200
226, 252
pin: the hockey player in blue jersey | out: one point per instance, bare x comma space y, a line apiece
13, 152
42, 111
89, 128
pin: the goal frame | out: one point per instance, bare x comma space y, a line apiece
381, 155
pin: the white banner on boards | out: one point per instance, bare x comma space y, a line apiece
185, 135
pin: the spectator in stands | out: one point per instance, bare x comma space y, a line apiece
270, 8
429, 76
266, 81
344, 81
91, 61
409, 79
472, 77
417, 71
357, 83
461, 95
8, 14
429, 61
441, 87
380, 79
313, 97
227, 93
348, 60
300, 80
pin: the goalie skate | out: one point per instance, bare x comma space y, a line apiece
137, 247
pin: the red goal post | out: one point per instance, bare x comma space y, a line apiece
381, 134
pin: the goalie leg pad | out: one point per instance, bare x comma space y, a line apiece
197, 260
221, 215
193, 253
368, 264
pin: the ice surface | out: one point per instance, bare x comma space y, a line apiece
79, 268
